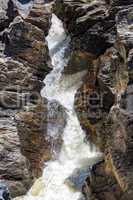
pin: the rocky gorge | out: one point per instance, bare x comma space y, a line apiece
31, 126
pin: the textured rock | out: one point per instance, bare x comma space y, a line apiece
90, 24
124, 21
102, 185
103, 31
26, 42
120, 147
7, 13
56, 121
78, 61
22, 69
101, 42
32, 127
13, 166
40, 15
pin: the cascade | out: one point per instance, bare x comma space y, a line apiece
75, 154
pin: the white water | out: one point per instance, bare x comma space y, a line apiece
75, 153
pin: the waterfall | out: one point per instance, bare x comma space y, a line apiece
75, 153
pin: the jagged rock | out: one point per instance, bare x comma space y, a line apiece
124, 21
80, 13
40, 15
20, 83
21, 77
121, 2
107, 115
101, 42
130, 66
13, 165
78, 61
90, 24
120, 147
102, 185
31, 127
26, 42
40, 130
107, 80
22, 70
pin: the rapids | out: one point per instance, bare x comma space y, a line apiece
75, 152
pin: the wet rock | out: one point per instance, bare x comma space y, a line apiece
77, 179
56, 122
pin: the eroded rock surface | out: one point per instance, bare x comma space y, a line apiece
101, 42
24, 53
101, 33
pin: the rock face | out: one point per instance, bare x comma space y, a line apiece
23, 143
13, 165
35, 147
101, 42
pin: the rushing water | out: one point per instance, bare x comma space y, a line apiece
75, 154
